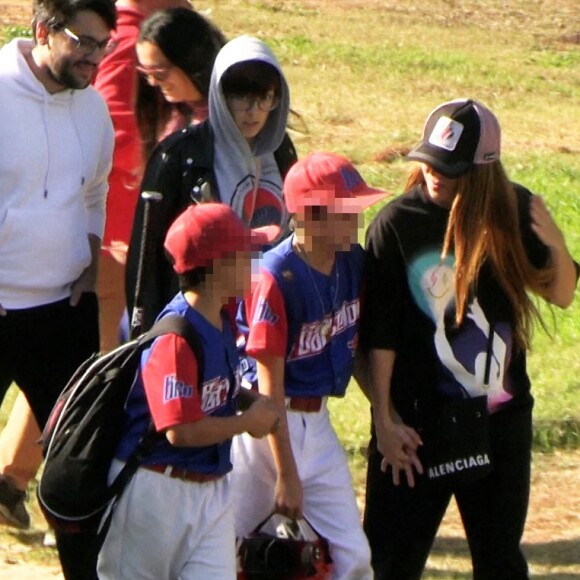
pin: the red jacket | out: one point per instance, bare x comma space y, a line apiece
116, 82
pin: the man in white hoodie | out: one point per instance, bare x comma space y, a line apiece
56, 143
20, 454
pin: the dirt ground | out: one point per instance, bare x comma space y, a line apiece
552, 537
15, 12
551, 541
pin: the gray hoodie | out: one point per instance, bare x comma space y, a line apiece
242, 170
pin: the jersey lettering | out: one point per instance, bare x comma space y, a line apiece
214, 394
264, 312
174, 389
314, 336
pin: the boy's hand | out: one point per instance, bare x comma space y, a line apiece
289, 496
263, 417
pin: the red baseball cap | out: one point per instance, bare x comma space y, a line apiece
208, 231
329, 180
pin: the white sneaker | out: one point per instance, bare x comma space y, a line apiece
49, 540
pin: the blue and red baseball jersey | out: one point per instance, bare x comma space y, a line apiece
166, 390
308, 318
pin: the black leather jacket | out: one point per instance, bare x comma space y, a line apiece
181, 169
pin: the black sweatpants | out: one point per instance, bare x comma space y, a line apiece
40, 348
401, 523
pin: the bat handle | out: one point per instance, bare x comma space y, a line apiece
148, 197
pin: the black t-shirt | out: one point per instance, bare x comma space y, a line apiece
409, 307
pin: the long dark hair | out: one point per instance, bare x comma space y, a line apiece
484, 226
190, 42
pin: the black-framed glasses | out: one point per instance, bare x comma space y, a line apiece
87, 44
265, 103
158, 73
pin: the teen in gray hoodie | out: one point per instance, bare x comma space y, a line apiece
239, 156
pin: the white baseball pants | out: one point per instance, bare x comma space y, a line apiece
169, 529
329, 500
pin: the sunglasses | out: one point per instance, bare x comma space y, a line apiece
157, 73
265, 103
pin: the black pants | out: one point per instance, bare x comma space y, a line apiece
40, 348
401, 523
78, 554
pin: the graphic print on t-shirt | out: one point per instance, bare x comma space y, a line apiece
462, 352
258, 204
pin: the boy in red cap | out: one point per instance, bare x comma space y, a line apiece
303, 326
174, 519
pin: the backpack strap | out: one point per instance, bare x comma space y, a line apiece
171, 324
175, 324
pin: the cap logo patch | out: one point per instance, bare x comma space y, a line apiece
446, 134
350, 178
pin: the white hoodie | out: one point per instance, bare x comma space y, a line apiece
55, 158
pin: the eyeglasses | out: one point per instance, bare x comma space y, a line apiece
266, 103
87, 44
158, 73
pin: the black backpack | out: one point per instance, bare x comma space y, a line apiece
85, 426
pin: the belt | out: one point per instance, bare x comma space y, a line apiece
304, 404
183, 474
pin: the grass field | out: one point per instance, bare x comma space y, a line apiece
364, 80
365, 73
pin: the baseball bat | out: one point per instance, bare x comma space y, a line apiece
148, 197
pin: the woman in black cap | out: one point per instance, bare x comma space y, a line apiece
446, 324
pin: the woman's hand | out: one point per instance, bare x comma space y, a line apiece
398, 444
